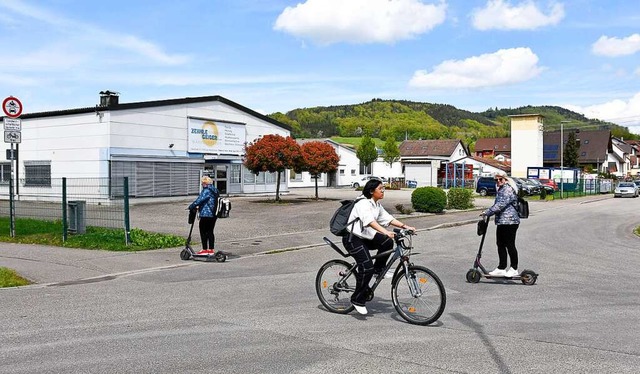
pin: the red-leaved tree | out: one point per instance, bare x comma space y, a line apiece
275, 154
319, 157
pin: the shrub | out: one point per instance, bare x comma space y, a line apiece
429, 199
460, 198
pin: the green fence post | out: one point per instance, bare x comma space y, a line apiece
12, 209
127, 225
65, 222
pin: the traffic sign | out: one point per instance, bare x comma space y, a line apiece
12, 136
12, 107
12, 124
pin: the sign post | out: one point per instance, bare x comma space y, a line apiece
12, 108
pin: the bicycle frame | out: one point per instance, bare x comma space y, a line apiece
402, 252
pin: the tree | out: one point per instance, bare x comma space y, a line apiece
319, 157
273, 153
570, 152
366, 152
391, 152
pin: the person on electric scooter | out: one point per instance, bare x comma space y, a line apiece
507, 223
206, 204
367, 234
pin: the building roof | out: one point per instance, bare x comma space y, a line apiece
594, 145
506, 166
155, 103
496, 145
438, 147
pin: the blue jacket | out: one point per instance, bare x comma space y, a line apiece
206, 201
504, 206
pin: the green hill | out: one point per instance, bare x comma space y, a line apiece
413, 120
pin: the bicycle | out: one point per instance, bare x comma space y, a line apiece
417, 293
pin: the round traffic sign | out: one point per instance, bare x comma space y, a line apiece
12, 107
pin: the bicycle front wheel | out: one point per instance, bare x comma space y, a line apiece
419, 296
334, 287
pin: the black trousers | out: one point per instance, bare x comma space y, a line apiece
206, 226
359, 249
506, 241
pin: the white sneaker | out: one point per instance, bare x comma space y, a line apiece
360, 309
512, 272
498, 273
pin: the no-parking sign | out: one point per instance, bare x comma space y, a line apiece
12, 107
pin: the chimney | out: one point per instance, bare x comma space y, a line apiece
108, 98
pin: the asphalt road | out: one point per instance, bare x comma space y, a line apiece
259, 313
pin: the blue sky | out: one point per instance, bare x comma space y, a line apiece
278, 55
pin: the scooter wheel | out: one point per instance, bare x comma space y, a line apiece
528, 277
473, 276
185, 255
221, 257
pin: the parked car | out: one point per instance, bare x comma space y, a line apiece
364, 181
550, 183
541, 186
528, 187
626, 189
486, 186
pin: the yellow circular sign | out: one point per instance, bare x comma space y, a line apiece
209, 133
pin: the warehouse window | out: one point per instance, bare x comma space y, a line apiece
37, 173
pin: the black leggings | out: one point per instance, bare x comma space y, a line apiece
206, 225
506, 241
359, 248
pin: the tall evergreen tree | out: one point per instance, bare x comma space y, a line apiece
570, 152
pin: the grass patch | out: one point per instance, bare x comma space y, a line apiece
33, 231
355, 141
9, 278
637, 231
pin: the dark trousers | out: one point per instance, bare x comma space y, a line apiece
206, 225
506, 241
359, 249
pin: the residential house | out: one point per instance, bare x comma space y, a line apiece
422, 159
349, 169
492, 147
596, 150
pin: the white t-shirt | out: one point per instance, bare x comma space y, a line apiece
368, 211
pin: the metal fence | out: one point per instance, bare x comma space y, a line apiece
102, 202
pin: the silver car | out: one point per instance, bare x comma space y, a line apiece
626, 189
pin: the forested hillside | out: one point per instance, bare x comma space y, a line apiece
406, 119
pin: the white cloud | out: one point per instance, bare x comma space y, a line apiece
503, 67
621, 112
360, 21
614, 47
96, 38
501, 15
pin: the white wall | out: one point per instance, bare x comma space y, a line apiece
526, 144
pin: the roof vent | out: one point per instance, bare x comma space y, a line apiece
108, 98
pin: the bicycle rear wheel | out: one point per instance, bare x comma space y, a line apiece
333, 289
426, 304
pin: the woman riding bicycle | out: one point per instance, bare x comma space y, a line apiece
367, 234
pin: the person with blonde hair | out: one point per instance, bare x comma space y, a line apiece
206, 204
507, 223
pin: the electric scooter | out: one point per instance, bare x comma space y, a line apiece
189, 254
478, 271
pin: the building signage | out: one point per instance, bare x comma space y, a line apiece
216, 137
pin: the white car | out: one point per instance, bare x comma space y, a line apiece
626, 189
364, 181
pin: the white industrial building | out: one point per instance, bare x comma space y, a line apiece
163, 146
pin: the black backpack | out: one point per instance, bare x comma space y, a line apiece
339, 222
522, 206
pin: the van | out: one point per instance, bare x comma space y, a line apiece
486, 186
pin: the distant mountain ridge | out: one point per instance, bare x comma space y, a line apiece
415, 120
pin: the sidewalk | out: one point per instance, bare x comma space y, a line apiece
254, 227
